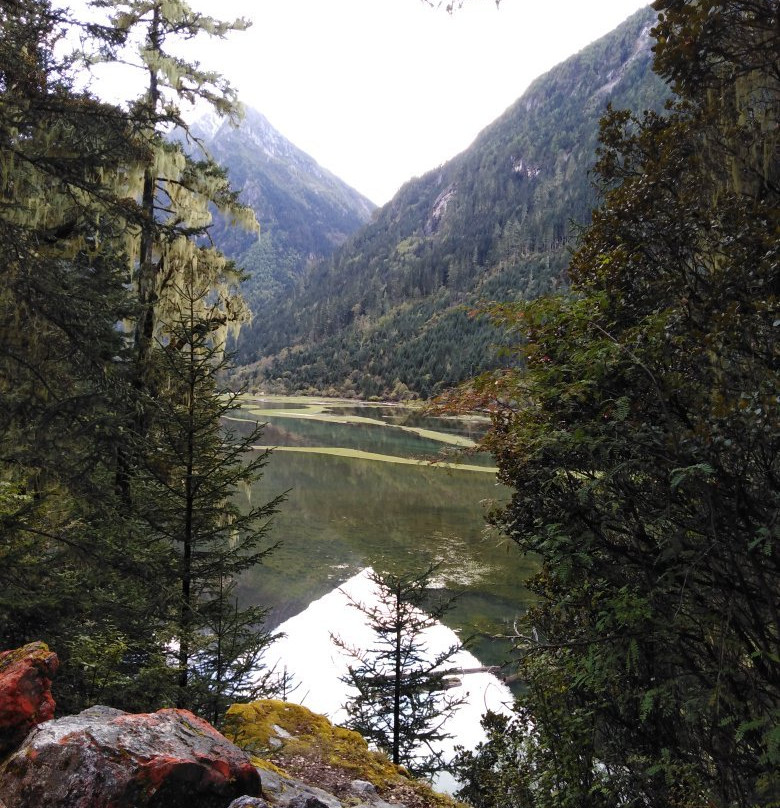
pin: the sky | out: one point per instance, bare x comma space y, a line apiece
380, 91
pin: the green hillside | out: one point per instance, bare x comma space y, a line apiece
388, 314
305, 212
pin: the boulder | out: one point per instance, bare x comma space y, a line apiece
282, 791
105, 758
25, 692
363, 788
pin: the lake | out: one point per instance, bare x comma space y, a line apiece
362, 492
319, 666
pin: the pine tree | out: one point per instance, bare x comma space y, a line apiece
401, 704
186, 490
187, 304
174, 188
101, 425
73, 571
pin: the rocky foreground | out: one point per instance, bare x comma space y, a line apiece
276, 755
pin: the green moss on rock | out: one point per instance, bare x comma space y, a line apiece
277, 730
291, 740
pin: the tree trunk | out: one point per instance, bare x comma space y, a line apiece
397, 684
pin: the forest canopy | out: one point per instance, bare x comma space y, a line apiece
638, 429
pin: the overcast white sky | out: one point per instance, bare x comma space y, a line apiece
379, 91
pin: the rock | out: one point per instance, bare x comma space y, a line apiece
248, 802
363, 788
283, 791
369, 797
281, 731
307, 801
105, 758
25, 692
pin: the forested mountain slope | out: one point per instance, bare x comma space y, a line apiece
305, 212
388, 314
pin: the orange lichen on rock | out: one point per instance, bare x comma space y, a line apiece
105, 758
25, 691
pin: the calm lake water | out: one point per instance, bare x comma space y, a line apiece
357, 497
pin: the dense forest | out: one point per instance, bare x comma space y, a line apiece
638, 429
634, 412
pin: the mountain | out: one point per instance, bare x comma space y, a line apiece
305, 211
387, 314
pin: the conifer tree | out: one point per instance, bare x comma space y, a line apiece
72, 571
175, 188
401, 704
94, 417
186, 493
186, 468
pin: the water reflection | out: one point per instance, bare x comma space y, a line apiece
343, 514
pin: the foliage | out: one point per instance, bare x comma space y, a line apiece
290, 740
185, 492
175, 190
98, 216
490, 774
184, 469
401, 705
641, 443
71, 560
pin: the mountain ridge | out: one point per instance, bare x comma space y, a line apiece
386, 315
305, 211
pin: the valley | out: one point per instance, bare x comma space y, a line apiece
542, 379
394, 310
